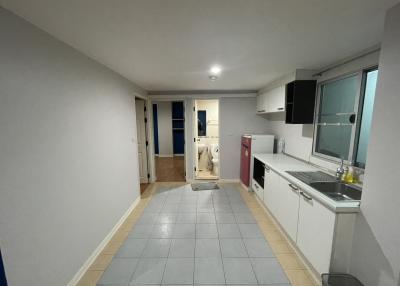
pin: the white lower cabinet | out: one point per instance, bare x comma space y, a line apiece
315, 234
320, 234
288, 211
258, 190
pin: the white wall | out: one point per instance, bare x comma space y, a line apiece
376, 247
68, 168
237, 117
165, 140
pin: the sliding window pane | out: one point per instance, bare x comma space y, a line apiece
336, 117
366, 119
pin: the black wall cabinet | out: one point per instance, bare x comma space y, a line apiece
300, 101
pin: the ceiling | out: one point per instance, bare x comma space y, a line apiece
171, 44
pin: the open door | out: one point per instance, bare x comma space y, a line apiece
141, 140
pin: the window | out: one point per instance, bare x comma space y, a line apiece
343, 117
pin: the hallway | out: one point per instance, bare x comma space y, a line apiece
198, 238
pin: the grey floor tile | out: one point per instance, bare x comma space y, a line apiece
141, 231
119, 271
233, 247
186, 217
147, 218
170, 208
221, 199
188, 208
228, 230
166, 218
206, 231
205, 208
244, 218
174, 199
205, 217
149, 271
239, 271
268, 271
239, 208
187, 230
250, 230
162, 230
258, 247
207, 247
179, 271
182, 247
225, 217
132, 247
209, 271
223, 208
157, 248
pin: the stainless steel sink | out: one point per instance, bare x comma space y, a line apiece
338, 191
328, 185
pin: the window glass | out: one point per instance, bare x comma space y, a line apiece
366, 119
336, 117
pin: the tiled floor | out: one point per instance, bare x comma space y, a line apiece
181, 237
170, 169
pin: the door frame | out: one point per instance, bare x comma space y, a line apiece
150, 129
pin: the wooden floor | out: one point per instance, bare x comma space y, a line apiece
170, 169
143, 187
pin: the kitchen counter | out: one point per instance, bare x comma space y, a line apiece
280, 163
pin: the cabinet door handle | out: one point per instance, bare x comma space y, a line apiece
280, 108
293, 187
307, 197
267, 169
263, 110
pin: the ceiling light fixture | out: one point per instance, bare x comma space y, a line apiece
213, 77
215, 70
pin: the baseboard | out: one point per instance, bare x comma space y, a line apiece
179, 155
165, 155
85, 267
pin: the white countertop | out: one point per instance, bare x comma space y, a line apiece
281, 163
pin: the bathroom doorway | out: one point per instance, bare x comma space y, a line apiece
206, 139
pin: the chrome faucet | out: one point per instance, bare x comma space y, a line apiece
340, 170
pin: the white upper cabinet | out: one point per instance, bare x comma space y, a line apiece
272, 100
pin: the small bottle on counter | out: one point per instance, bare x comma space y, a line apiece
350, 175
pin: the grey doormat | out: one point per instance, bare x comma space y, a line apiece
204, 186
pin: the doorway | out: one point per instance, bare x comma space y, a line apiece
141, 129
206, 141
169, 140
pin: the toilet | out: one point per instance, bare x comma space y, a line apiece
215, 158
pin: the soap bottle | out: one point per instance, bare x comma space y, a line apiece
350, 176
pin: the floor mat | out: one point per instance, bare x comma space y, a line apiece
204, 186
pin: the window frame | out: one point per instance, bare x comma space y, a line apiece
358, 109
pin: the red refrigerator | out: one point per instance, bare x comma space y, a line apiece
251, 144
